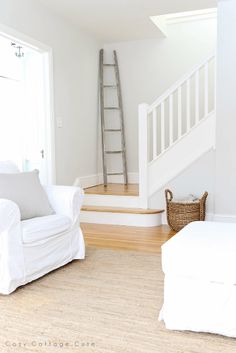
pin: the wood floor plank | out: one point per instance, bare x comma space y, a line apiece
126, 238
114, 189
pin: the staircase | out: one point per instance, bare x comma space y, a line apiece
120, 206
174, 131
177, 129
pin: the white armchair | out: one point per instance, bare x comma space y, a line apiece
66, 200
31, 248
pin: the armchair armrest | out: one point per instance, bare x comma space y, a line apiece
11, 247
9, 215
65, 200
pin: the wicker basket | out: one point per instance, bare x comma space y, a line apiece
179, 214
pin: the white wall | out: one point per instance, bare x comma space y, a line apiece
149, 67
196, 179
226, 110
75, 78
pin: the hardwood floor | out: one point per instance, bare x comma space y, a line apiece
126, 238
114, 189
123, 237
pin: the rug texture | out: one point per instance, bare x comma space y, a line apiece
108, 303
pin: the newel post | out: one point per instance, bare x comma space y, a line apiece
143, 154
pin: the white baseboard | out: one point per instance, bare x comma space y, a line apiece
88, 181
209, 217
224, 218
96, 179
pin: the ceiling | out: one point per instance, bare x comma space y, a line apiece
121, 20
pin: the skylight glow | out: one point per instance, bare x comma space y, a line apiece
163, 21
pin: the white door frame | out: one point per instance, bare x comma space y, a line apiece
25, 40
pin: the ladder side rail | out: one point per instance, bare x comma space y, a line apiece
104, 164
124, 160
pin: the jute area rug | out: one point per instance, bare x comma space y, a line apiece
108, 303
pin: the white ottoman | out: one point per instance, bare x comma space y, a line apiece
199, 264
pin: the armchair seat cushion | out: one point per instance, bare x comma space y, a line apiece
43, 228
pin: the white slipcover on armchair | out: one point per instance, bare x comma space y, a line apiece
31, 248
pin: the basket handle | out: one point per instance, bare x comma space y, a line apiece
203, 206
169, 195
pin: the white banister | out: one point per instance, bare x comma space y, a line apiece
180, 82
197, 97
206, 87
179, 112
154, 130
143, 154
162, 126
188, 104
171, 119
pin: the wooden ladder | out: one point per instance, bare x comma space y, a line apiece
120, 114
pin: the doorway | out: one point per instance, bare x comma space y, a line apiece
26, 114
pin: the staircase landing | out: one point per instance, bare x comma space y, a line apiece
117, 204
114, 189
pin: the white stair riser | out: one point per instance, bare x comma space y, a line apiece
126, 219
112, 201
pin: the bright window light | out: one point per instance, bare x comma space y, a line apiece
163, 21
22, 105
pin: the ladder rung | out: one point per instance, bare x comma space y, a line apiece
109, 65
115, 173
110, 152
111, 108
112, 130
110, 86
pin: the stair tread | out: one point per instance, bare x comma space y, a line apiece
121, 210
114, 189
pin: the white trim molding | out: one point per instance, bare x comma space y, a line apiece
88, 181
97, 179
229, 218
23, 39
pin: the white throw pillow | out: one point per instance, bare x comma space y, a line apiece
26, 191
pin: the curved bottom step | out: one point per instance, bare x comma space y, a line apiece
121, 216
